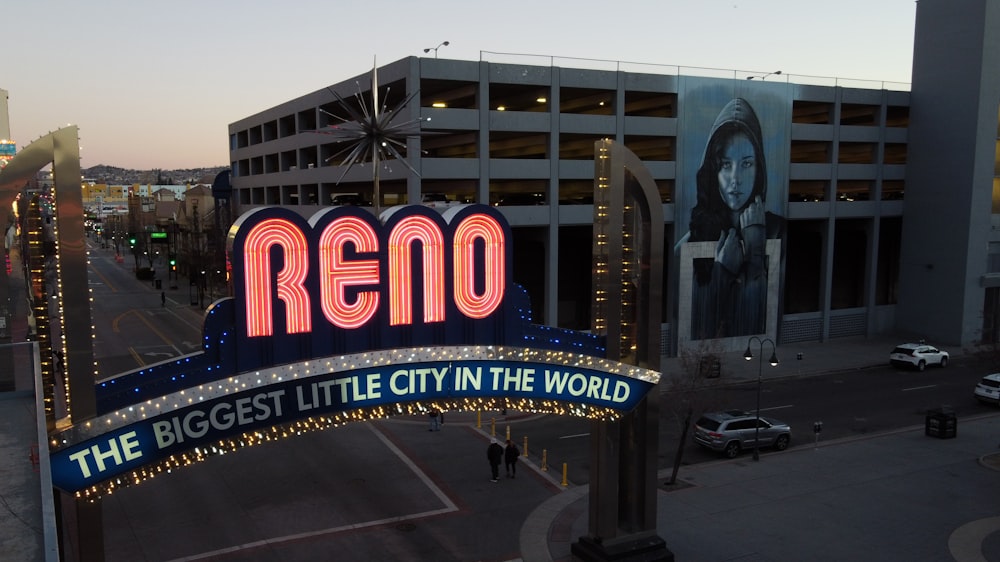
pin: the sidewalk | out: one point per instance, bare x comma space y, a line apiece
21, 527
808, 358
892, 496
898, 496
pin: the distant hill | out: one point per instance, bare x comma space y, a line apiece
123, 176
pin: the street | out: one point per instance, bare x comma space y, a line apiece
132, 327
847, 403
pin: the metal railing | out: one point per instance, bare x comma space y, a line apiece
678, 70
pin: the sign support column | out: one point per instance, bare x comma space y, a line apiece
628, 286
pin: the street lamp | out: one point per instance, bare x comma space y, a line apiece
760, 371
764, 77
435, 49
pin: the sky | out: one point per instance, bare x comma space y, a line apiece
156, 84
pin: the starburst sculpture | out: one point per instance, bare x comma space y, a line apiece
373, 133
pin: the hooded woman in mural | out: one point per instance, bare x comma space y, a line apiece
730, 291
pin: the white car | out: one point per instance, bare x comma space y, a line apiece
438, 201
917, 355
988, 389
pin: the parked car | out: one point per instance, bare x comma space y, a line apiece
350, 199
518, 198
988, 389
733, 431
438, 201
917, 355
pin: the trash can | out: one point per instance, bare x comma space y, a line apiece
159, 284
940, 423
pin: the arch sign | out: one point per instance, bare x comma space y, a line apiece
345, 318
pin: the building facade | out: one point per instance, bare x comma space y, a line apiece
817, 242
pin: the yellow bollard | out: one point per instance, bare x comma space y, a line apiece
493, 427
545, 460
524, 450
479, 419
565, 482
508, 433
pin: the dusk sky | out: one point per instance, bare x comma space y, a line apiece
156, 84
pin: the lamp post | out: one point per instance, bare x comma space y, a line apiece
760, 371
764, 77
435, 49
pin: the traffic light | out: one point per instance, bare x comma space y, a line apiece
173, 264
131, 240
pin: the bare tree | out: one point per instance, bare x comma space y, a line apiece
700, 370
986, 354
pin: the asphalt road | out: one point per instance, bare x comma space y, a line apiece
848, 404
132, 327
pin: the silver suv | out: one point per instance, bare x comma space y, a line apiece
732, 431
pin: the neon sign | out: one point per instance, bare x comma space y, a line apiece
341, 318
247, 404
8, 148
419, 279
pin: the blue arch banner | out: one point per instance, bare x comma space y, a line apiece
342, 388
339, 318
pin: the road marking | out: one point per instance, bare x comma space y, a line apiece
777, 407
135, 355
966, 542
114, 323
574, 436
152, 328
103, 278
449, 506
925, 387
197, 327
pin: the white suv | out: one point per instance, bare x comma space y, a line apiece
437, 201
917, 355
988, 389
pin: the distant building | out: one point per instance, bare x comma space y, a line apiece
4, 115
8, 148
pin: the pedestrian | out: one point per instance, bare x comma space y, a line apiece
435, 417
494, 453
510, 454
163, 298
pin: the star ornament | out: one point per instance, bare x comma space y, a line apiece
373, 132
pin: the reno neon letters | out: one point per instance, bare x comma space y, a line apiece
359, 268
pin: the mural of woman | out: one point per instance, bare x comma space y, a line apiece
730, 291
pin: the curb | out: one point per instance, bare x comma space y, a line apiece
991, 461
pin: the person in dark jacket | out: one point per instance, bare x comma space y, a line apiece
494, 453
510, 454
